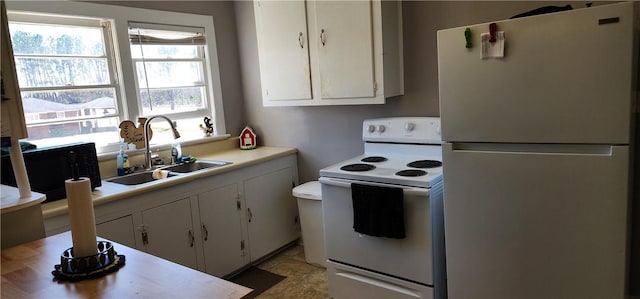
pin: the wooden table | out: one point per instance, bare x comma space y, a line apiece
26, 273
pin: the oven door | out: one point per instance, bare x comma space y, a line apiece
409, 258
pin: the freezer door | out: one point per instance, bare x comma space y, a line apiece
566, 77
546, 223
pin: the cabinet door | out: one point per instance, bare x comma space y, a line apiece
345, 48
283, 49
119, 230
169, 232
272, 212
220, 214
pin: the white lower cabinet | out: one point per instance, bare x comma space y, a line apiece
272, 212
249, 219
222, 235
119, 230
217, 224
167, 232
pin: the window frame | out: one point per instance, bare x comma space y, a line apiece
125, 75
202, 58
104, 27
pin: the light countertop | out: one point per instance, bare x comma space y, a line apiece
239, 158
11, 200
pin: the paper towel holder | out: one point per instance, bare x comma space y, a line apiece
87, 258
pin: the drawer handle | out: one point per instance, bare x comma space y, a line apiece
145, 237
206, 232
301, 41
191, 238
323, 37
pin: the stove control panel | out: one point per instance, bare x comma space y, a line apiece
420, 130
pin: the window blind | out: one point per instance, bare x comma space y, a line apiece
158, 34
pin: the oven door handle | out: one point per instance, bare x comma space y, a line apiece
347, 184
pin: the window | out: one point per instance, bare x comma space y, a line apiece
65, 73
169, 63
83, 68
170, 69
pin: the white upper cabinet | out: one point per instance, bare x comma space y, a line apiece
284, 42
329, 52
345, 49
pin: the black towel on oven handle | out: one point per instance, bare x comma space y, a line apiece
378, 211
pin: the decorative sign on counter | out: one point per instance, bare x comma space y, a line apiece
132, 134
247, 138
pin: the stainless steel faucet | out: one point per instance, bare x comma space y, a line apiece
147, 152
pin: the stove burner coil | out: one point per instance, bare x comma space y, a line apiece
425, 164
374, 159
357, 167
411, 172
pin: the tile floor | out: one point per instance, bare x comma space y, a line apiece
304, 281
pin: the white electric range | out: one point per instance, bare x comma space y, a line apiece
401, 154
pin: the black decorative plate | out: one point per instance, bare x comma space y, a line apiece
88, 267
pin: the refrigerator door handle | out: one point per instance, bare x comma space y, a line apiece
523, 148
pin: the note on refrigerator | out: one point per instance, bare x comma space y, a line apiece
495, 49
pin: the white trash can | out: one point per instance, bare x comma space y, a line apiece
309, 196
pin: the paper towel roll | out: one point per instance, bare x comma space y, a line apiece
81, 217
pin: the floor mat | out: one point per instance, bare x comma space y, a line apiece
257, 279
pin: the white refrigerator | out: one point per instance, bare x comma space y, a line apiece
536, 154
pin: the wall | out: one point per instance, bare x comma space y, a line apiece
327, 135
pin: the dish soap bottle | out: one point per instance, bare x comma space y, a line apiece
122, 162
176, 152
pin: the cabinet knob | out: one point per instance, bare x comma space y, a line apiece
408, 127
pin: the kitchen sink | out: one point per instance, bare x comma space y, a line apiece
136, 178
195, 166
147, 176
